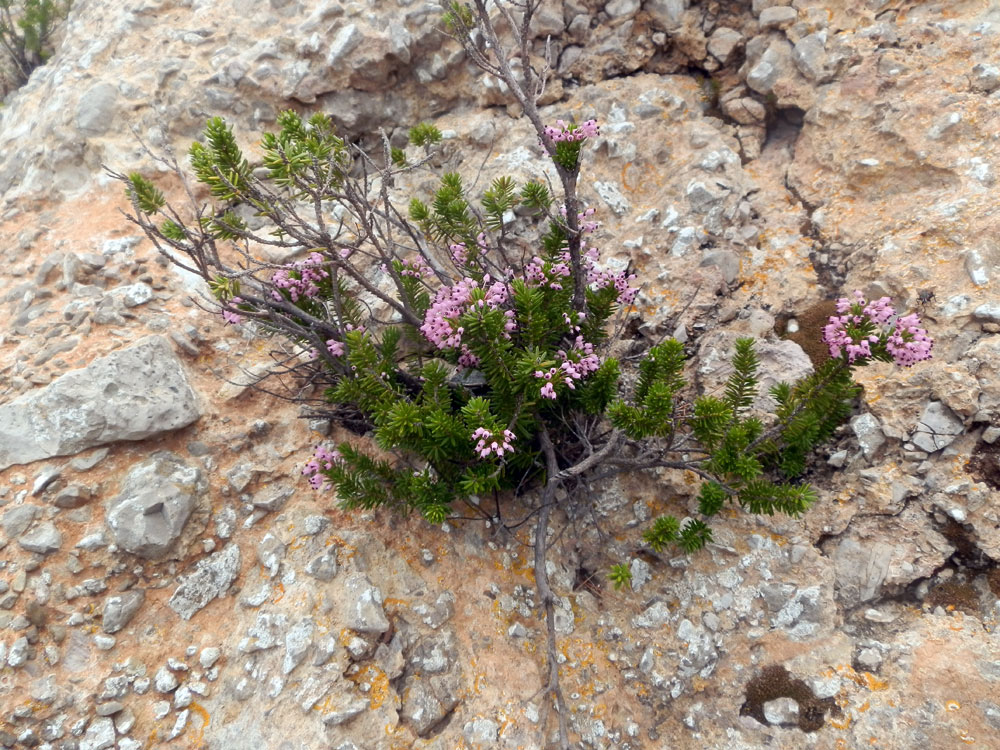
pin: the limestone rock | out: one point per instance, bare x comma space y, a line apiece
363, 605
210, 580
130, 394
156, 499
937, 428
723, 43
119, 609
43, 539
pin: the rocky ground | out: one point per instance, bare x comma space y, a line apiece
167, 578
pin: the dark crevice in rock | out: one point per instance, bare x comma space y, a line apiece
984, 466
784, 128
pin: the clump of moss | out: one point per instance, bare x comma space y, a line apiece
957, 594
775, 682
993, 580
808, 336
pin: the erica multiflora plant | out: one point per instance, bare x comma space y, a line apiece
476, 349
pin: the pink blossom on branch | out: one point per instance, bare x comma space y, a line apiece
231, 317
323, 460
490, 443
861, 325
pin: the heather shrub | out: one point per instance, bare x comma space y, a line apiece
479, 361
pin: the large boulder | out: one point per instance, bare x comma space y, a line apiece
130, 394
156, 499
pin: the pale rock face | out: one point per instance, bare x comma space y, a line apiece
130, 394
157, 497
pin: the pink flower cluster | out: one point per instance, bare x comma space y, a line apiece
460, 253
300, 278
587, 226
231, 317
563, 131
451, 302
861, 324
600, 278
323, 460
336, 348
909, 343
416, 267
490, 443
541, 273
576, 365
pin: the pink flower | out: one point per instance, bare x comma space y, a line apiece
231, 317
323, 460
490, 443
861, 325
336, 348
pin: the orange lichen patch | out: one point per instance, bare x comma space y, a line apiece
394, 603
844, 724
378, 682
966, 737
952, 705
201, 711
864, 706
862, 679
280, 588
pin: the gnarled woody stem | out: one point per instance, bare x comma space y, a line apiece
542, 581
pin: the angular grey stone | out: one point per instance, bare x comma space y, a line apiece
622, 8
363, 605
96, 109
100, 735
343, 715
323, 567
655, 615
270, 553
666, 13
988, 313
869, 433
134, 295
809, 55
481, 732
782, 712
165, 681
723, 42
779, 16
275, 500
43, 539
985, 78
346, 40
210, 580
16, 520
18, 653
70, 497
726, 261
120, 609
937, 428
209, 656
156, 500
130, 394
775, 63
611, 194
297, 642
427, 700
43, 480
